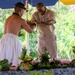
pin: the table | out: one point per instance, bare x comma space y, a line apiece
57, 71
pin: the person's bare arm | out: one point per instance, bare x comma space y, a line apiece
26, 26
32, 24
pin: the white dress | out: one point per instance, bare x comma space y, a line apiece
10, 48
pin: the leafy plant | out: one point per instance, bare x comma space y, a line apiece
41, 73
35, 73
44, 57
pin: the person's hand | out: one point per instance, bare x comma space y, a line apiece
31, 23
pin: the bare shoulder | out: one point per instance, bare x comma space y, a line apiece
7, 21
8, 18
23, 23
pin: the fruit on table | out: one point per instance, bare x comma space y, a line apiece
12, 68
23, 53
4, 65
25, 66
44, 57
44, 61
0, 67
73, 62
43, 65
27, 58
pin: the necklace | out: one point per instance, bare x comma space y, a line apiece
16, 14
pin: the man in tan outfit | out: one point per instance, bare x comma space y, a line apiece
44, 19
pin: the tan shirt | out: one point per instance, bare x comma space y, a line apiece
44, 29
